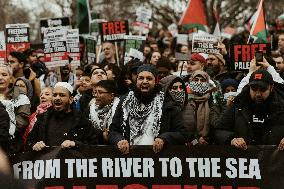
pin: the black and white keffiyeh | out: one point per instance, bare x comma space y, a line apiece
140, 116
178, 96
101, 118
10, 106
199, 87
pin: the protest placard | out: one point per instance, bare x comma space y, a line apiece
63, 22
142, 23
72, 44
101, 167
205, 43
173, 29
17, 37
114, 30
2, 48
182, 56
91, 49
55, 51
242, 54
134, 47
182, 39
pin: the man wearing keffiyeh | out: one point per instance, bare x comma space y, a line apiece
143, 118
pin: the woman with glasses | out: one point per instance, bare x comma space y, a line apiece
17, 104
103, 106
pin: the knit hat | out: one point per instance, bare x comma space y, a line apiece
29, 86
221, 58
64, 85
229, 82
149, 68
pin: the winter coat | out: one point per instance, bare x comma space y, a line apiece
187, 109
236, 122
4, 126
81, 131
172, 129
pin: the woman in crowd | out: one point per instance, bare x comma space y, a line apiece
103, 107
112, 71
175, 93
26, 87
17, 104
155, 57
229, 91
45, 103
199, 90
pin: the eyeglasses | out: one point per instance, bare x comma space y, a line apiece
176, 87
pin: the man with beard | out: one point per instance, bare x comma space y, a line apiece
216, 67
143, 117
257, 116
60, 125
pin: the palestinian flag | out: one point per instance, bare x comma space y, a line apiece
194, 16
258, 30
83, 15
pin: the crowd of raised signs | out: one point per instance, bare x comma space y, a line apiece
159, 101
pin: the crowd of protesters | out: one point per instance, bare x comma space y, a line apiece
157, 102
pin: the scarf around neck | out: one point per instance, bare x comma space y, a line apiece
140, 116
202, 114
101, 118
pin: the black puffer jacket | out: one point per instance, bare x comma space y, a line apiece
4, 127
236, 121
81, 130
171, 129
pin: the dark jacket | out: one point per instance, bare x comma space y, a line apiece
236, 121
81, 131
187, 109
4, 127
171, 129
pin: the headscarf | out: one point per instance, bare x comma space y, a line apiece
29, 86
199, 88
200, 97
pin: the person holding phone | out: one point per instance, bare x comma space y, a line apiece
256, 65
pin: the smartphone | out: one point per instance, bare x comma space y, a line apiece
258, 57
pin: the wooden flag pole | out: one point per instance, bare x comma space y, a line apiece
116, 52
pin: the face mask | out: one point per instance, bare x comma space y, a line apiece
179, 96
199, 87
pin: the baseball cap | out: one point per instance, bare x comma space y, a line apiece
261, 78
198, 57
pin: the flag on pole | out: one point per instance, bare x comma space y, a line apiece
194, 16
258, 30
83, 16
217, 31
